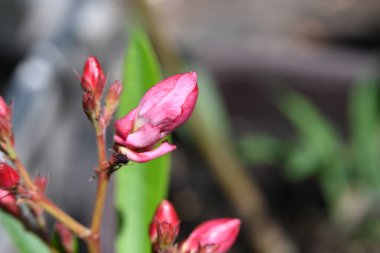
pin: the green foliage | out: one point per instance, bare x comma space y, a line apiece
319, 150
261, 149
139, 187
24, 241
364, 126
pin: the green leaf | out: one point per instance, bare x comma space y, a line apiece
320, 150
364, 123
139, 187
260, 149
319, 142
23, 240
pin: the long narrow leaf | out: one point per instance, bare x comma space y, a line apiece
139, 187
24, 241
319, 141
364, 117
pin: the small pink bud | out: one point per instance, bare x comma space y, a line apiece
90, 105
93, 79
4, 108
66, 237
6, 134
41, 182
163, 108
8, 202
112, 101
216, 236
164, 227
9, 177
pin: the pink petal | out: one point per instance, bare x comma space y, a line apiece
142, 157
124, 125
166, 101
144, 137
221, 232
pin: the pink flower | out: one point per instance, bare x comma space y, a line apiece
164, 107
164, 227
217, 235
93, 79
9, 177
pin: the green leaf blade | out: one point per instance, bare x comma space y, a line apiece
23, 240
139, 187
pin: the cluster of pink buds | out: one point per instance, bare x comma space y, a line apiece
93, 81
213, 236
163, 108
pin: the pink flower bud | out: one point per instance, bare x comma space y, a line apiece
90, 106
215, 236
93, 79
164, 227
4, 108
66, 237
6, 135
112, 101
41, 182
8, 202
164, 107
9, 178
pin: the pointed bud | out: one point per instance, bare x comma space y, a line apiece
164, 107
66, 237
6, 134
112, 101
41, 182
9, 177
4, 109
90, 106
8, 203
93, 79
216, 236
164, 227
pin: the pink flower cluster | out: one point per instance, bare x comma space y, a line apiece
213, 236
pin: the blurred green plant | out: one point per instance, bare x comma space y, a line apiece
347, 169
24, 241
140, 187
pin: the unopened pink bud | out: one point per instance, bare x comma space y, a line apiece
216, 235
112, 100
93, 79
4, 108
164, 107
6, 135
66, 237
9, 177
165, 224
90, 105
41, 182
8, 202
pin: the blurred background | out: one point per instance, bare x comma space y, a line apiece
286, 134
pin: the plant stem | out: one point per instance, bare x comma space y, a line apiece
40, 199
23, 172
101, 192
